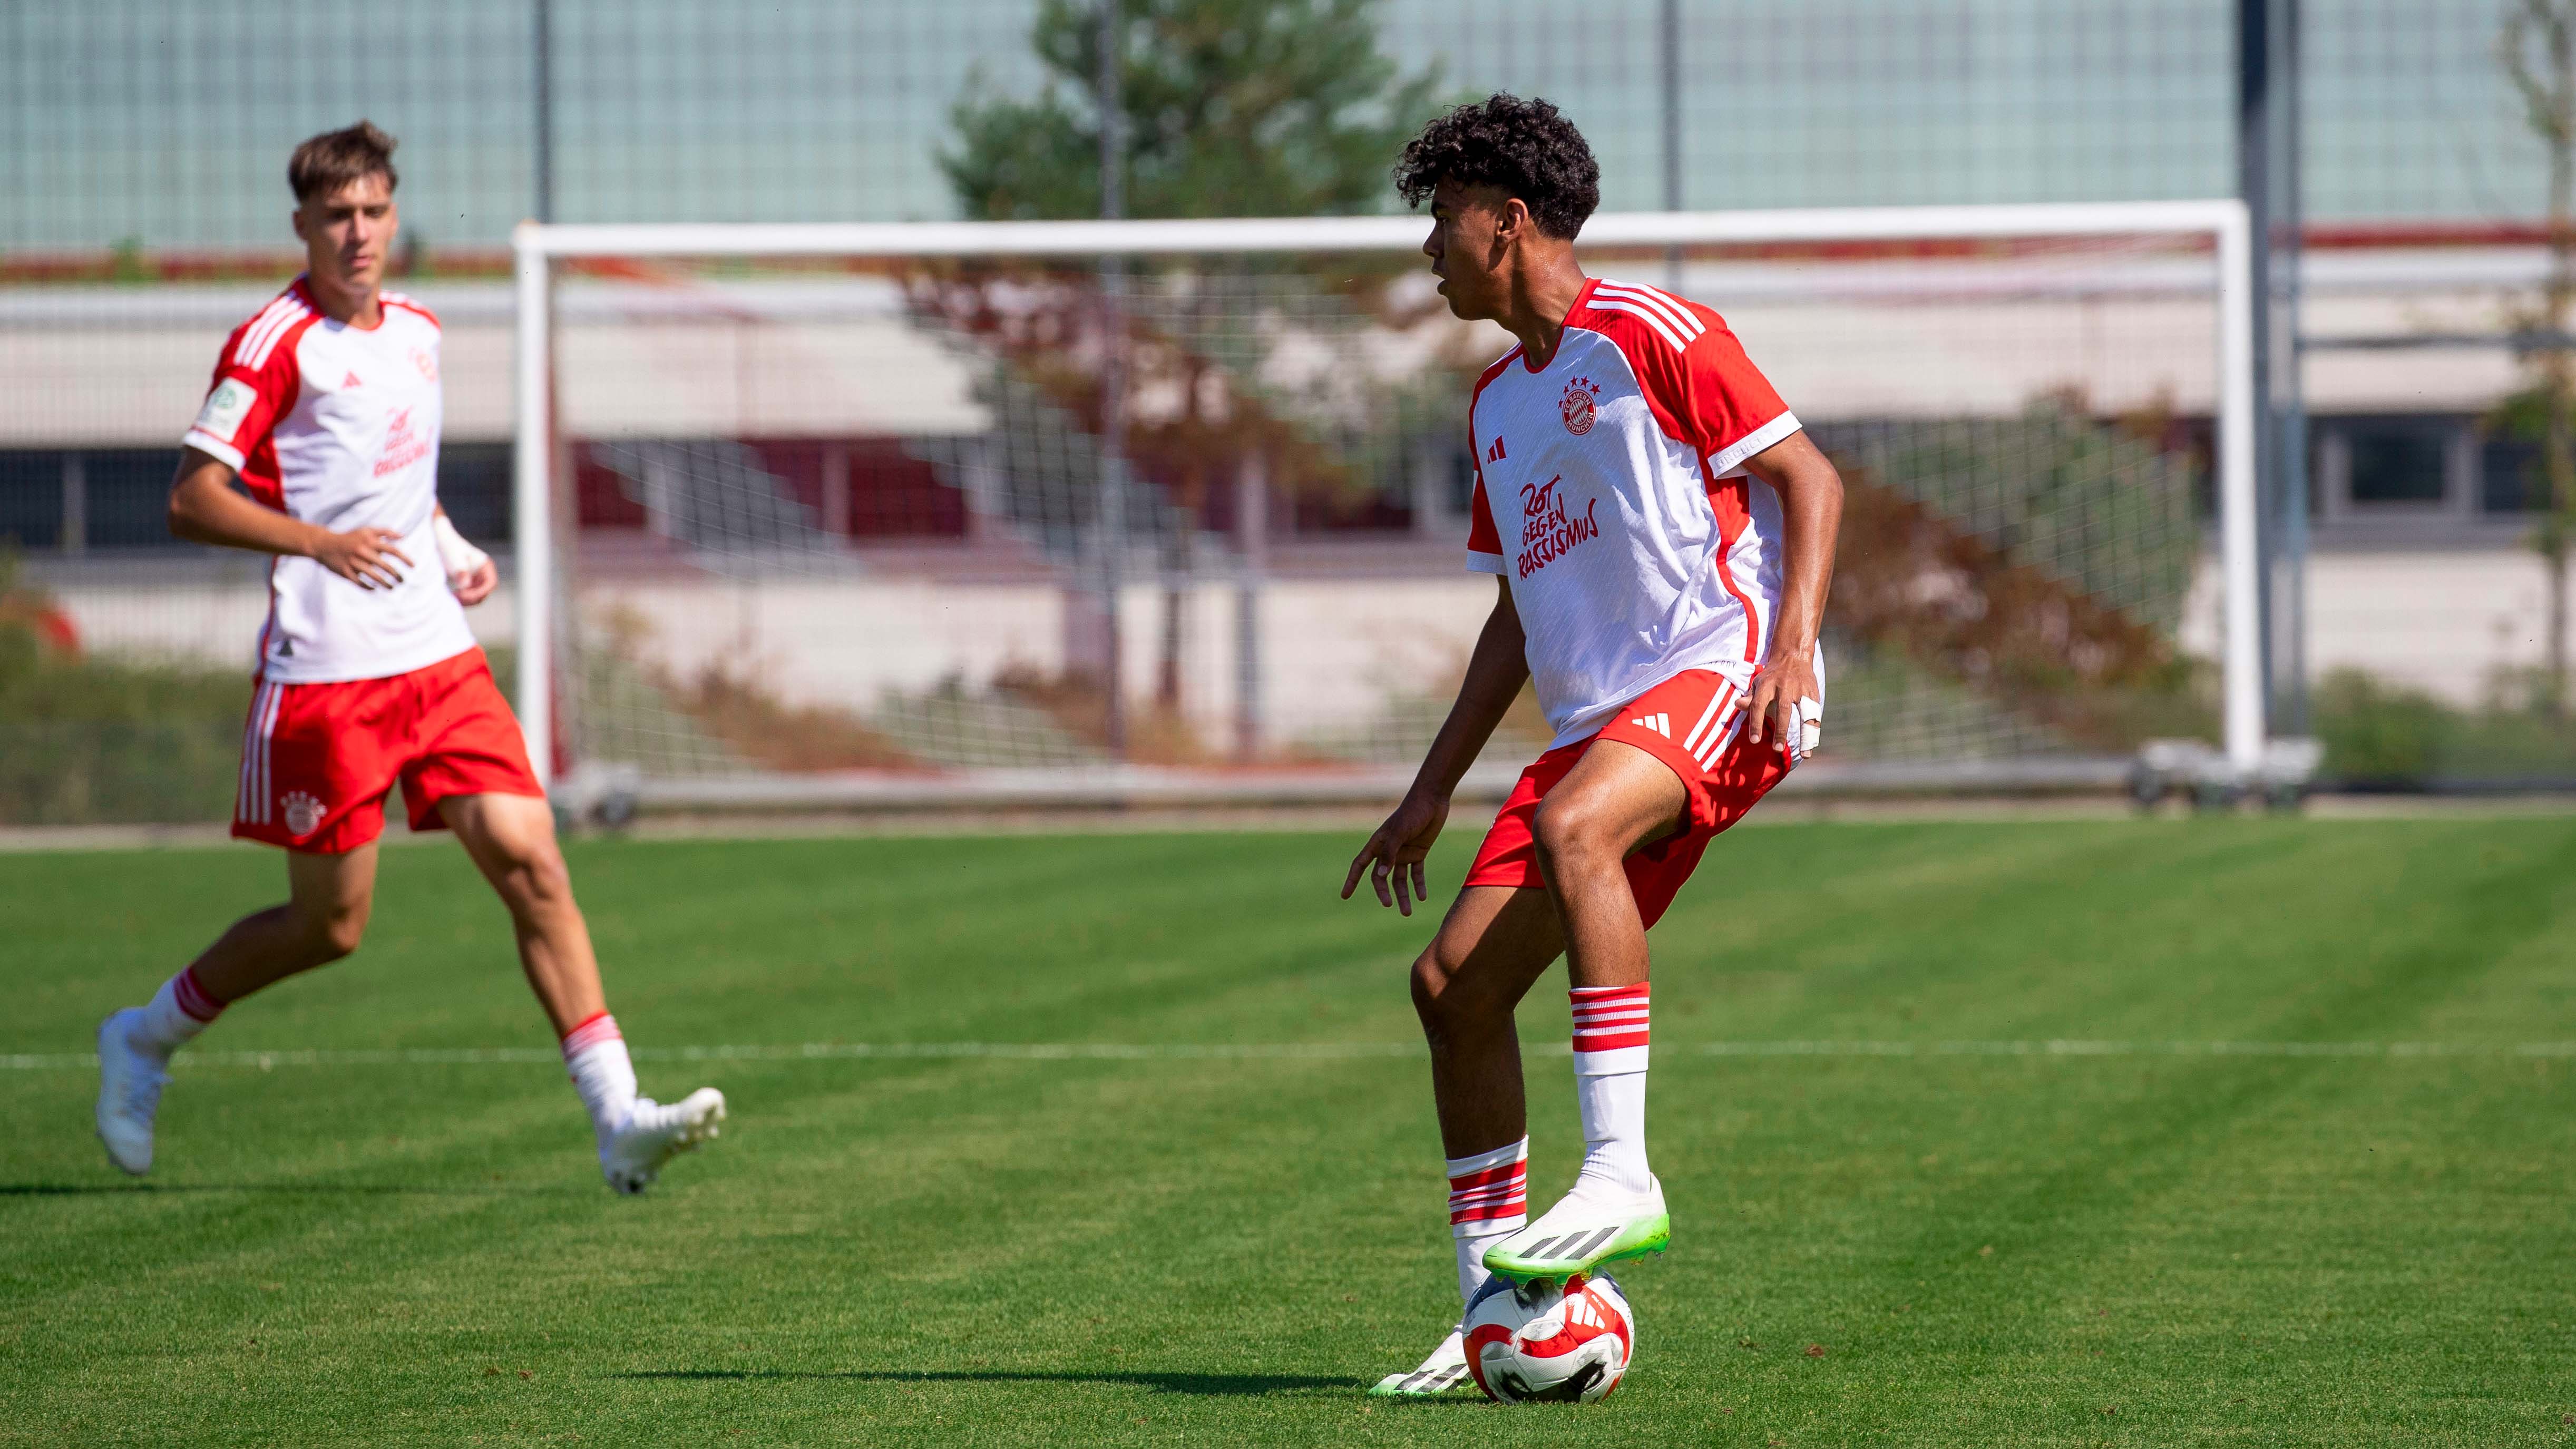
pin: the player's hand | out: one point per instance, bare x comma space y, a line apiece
364, 556
476, 585
1785, 707
1396, 851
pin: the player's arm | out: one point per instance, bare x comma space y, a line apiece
1811, 505
471, 574
205, 509
1495, 673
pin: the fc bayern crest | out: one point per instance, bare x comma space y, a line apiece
303, 813
1580, 395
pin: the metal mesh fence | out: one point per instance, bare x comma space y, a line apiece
831, 430
162, 126
830, 522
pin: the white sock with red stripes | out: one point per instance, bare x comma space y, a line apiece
1488, 1202
595, 1056
174, 1016
1610, 1046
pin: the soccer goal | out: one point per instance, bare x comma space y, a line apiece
1147, 511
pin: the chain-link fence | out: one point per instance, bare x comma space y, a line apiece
163, 127
863, 437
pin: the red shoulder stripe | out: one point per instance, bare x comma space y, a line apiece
1680, 317
265, 331
250, 333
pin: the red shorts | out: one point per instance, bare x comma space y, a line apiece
1690, 723
318, 759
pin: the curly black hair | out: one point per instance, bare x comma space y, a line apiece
1527, 148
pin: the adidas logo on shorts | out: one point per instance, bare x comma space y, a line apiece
1661, 724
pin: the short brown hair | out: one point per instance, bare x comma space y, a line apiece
333, 159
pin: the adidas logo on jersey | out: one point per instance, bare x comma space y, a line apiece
1494, 454
352, 380
1661, 724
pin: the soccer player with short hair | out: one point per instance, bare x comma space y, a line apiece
1663, 536
325, 411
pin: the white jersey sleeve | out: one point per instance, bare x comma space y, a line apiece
338, 426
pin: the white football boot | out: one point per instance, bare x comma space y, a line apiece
653, 1134
130, 1080
1583, 1232
1445, 1370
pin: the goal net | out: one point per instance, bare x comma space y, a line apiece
1028, 512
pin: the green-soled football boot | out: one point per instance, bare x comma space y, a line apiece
1578, 1235
1444, 1372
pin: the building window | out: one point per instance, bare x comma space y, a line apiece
474, 488
2398, 463
31, 500
128, 503
2509, 476
2396, 467
118, 499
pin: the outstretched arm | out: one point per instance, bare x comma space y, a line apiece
1495, 673
1811, 504
205, 509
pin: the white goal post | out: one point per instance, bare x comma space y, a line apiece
2217, 229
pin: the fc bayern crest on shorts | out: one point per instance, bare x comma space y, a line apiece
303, 813
1576, 409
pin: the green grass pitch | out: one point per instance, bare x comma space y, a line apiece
1942, 1238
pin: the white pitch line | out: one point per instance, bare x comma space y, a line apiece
1298, 1051
2073, 1048
807, 1051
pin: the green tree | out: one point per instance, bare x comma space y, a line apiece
1229, 107
2538, 52
1226, 108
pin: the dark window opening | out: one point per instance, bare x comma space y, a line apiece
125, 496
474, 487
2510, 476
129, 497
2398, 465
31, 500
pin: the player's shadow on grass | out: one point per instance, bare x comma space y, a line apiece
320, 1189
1206, 1385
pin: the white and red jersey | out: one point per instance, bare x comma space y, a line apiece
1611, 493
338, 425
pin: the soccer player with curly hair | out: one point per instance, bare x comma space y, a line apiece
1662, 534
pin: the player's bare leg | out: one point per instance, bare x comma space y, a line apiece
1491, 947
512, 841
322, 920
1493, 944
1615, 800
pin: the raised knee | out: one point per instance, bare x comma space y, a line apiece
1568, 830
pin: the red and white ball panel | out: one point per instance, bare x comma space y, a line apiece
1536, 1344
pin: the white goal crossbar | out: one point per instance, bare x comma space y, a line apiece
2224, 222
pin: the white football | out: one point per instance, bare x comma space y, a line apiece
1535, 1344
